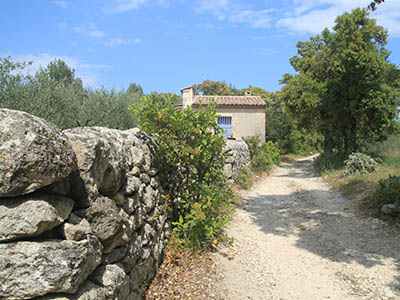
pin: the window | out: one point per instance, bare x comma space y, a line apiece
226, 124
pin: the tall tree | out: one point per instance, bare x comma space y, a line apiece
209, 87
345, 83
165, 97
59, 71
135, 89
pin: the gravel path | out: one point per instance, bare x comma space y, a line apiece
296, 239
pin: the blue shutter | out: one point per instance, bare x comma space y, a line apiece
226, 124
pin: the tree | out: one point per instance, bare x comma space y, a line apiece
373, 4
55, 94
135, 89
292, 135
11, 83
59, 71
209, 87
165, 97
345, 86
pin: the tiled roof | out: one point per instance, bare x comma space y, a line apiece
230, 100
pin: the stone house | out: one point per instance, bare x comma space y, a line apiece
239, 116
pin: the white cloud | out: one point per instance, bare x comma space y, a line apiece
388, 15
121, 6
90, 30
83, 70
219, 8
235, 12
304, 16
312, 22
313, 16
61, 3
257, 19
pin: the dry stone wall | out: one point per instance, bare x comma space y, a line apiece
81, 212
238, 157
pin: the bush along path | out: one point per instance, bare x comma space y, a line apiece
296, 239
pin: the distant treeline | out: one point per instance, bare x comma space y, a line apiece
57, 95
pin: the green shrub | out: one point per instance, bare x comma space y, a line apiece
267, 155
359, 163
202, 226
329, 161
190, 154
387, 192
244, 178
253, 142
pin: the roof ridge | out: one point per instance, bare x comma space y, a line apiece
234, 100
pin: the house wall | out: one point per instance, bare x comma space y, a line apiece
245, 121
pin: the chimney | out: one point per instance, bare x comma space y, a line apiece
188, 96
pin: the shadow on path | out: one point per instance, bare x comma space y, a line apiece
330, 231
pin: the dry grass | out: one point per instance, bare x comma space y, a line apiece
353, 186
360, 187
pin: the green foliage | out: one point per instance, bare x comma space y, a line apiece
253, 143
245, 178
292, 136
262, 157
209, 87
165, 97
135, 89
190, 152
329, 161
202, 226
359, 163
345, 87
387, 192
55, 94
59, 71
373, 5
388, 148
268, 154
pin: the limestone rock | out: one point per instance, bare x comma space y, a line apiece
390, 209
142, 273
114, 280
32, 215
132, 185
106, 223
104, 157
145, 178
239, 157
30, 269
227, 170
150, 198
88, 291
119, 199
76, 228
33, 153
116, 255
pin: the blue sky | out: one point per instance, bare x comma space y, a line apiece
165, 45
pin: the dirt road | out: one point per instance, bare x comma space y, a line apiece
296, 239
